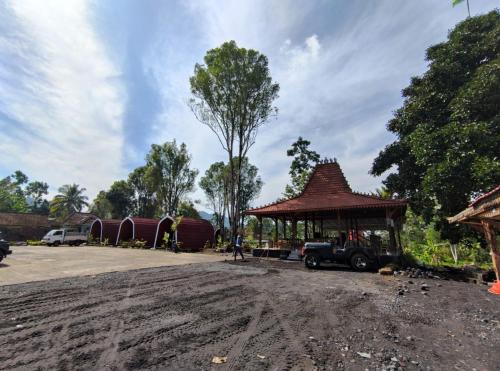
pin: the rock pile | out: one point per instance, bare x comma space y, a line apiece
416, 273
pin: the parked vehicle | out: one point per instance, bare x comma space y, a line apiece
323, 253
64, 236
4, 248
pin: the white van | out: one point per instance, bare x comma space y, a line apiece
64, 236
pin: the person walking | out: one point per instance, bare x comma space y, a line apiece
237, 247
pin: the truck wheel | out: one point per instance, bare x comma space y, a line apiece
359, 262
56, 243
311, 261
1, 257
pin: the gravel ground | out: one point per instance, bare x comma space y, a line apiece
260, 315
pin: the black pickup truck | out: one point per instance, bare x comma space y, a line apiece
4, 248
316, 254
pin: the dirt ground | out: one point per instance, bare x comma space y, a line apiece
260, 315
39, 263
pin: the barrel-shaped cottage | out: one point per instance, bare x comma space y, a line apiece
191, 234
137, 229
103, 230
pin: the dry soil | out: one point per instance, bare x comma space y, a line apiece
260, 315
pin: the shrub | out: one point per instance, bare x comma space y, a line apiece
34, 242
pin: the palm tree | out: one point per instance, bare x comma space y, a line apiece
69, 200
383, 192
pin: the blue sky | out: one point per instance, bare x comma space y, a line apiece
87, 86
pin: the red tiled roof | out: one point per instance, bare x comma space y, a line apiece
327, 189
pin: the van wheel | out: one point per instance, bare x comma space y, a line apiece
359, 262
312, 261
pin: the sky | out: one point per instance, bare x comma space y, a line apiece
87, 86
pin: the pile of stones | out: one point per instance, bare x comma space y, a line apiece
416, 273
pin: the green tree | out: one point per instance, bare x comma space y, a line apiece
11, 196
19, 195
70, 199
169, 174
101, 206
144, 203
186, 208
250, 187
233, 95
302, 164
215, 184
35, 191
448, 129
120, 197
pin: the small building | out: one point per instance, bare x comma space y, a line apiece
483, 214
331, 211
191, 234
103, 230
137, 229
29, 226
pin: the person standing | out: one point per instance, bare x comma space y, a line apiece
237, 247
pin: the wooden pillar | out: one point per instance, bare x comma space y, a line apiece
489, 233
321, 226
398, 228
306, 235
260, 231
313, 226
339, 229
294, 228
276, 230
284, 228
357, 231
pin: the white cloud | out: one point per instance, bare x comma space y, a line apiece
60, 96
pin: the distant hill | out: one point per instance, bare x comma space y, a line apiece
208, 216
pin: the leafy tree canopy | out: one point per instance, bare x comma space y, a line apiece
70, 199
448, 129
186, 208
302, 164
17, 194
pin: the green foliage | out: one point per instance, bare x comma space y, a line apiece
34, 242
69, 200
143, 200
186, 208
152, 190
448, 129
302, 164
17, 195
120, 197
215, 185
168, 173
422, 242
233, 94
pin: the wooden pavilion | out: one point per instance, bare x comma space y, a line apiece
483, 214
331, 211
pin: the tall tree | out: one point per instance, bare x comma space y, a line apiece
35, 191
448, 129
11, 196
302, 164
169, 174
101, 206
233, 95
144, 203
215, 184
250, 187
70, 199
186, 208
19, 195
120, 197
